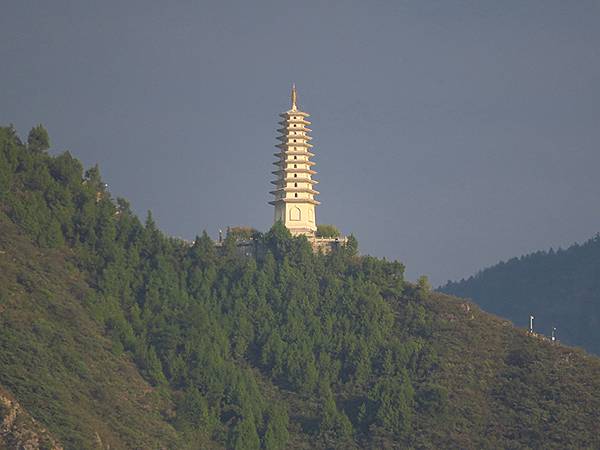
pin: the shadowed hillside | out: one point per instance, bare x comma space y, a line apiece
114, 334
560, 288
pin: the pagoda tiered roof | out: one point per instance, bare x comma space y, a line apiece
295, 200
289, 137
283, 130
294, 144
302, 121
293, 161
294, 152
293, 170
294, 190
294, 180
292, 112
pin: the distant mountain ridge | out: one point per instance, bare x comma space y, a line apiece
559, 288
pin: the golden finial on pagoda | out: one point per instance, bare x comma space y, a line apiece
294, 97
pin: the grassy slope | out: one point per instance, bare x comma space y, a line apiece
54, 359
506, 386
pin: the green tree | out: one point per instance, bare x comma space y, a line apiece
394, 399
352, 245
328, 231
423, 287
279, 240
277, 435
93, 178
335, 429
38, 139
244, 436
193, 409
242, 232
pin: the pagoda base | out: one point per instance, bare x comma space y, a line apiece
309, 233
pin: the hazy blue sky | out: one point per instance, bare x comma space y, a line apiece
448, 134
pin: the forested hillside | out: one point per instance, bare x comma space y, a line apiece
560, 288
115, 335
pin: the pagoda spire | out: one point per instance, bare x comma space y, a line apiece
294, 97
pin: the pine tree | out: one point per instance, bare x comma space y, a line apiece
244, 436
38, 140
277, 435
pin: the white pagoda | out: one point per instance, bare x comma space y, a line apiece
294, 186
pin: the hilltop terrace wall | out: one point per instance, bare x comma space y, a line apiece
250, 247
